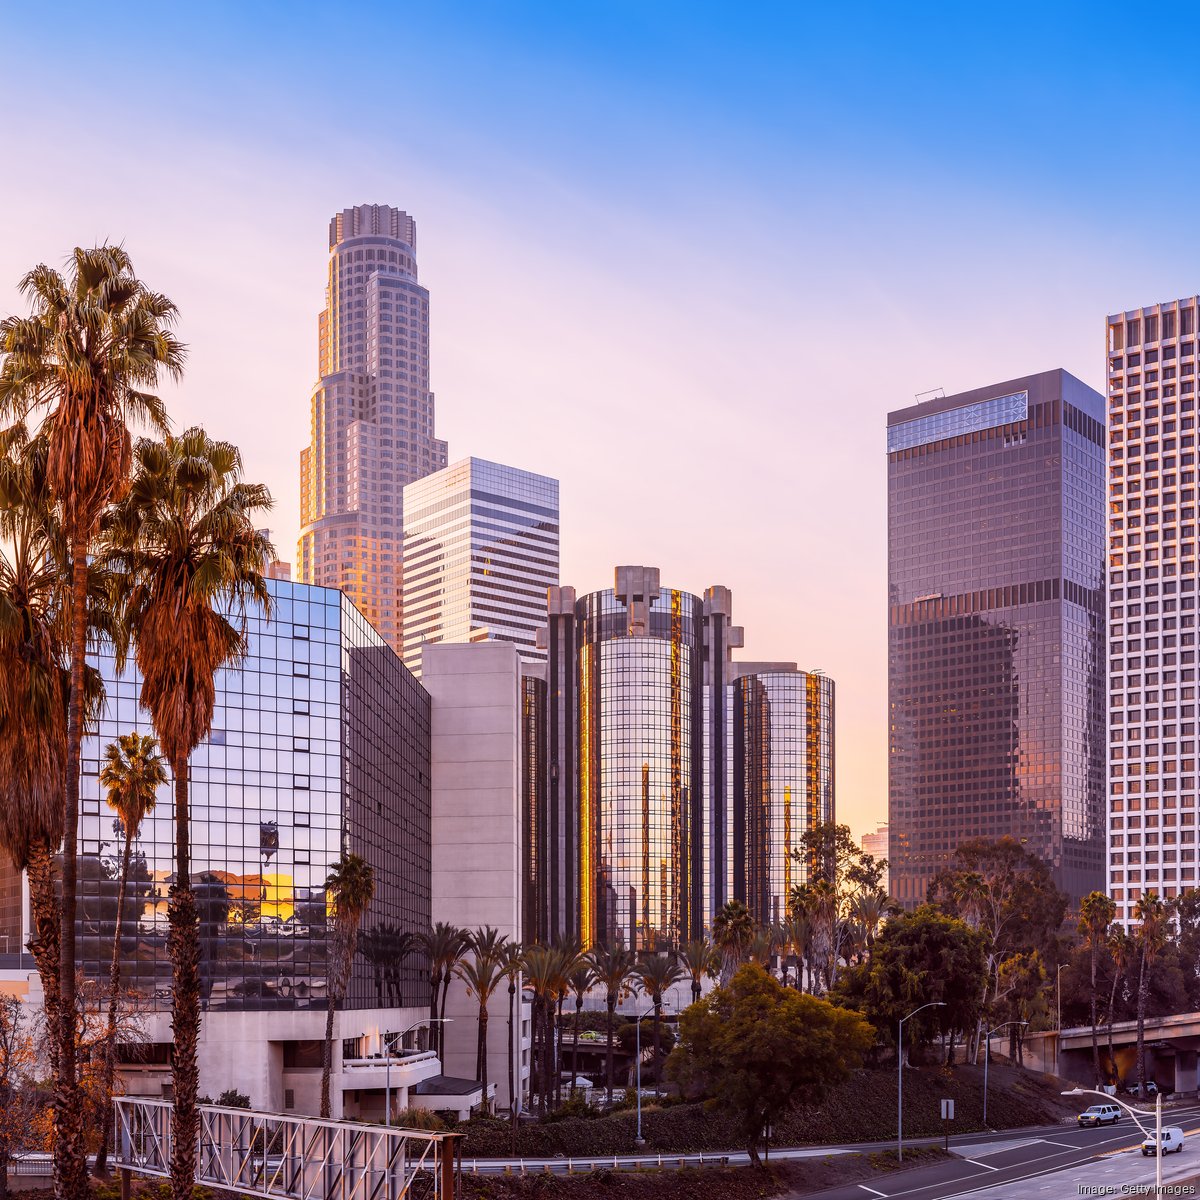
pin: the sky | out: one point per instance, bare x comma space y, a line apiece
683, 257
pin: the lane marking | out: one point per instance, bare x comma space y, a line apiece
873, 1191
976, 1163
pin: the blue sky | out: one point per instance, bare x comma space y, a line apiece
683, 256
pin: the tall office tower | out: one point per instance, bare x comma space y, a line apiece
783, 731
996, 628
372, 414
480, 550
876, 845
1152, 577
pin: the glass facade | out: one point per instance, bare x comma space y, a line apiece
996, 631
480, 552
783, 734
320, 744
1154, 803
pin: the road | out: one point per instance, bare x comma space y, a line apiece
1008, 1163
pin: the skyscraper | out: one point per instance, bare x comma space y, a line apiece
996, 628
480, 552
1152, 577
372, 414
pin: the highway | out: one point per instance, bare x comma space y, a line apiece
999, 1164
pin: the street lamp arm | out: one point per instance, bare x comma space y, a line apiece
1133, 1112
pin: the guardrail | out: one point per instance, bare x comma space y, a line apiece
281, 1157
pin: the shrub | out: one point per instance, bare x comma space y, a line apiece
418, 1118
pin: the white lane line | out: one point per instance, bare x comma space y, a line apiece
976, 1163
1069, 1145
873, 1191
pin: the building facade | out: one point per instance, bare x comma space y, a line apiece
996, 628
673, 779
372, 415
480, 551
876, 845
1152, 578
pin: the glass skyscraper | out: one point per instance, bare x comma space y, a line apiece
480, 552
996, 628
1152, 575
320, 745
372, 414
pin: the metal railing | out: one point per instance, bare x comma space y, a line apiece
283, 1157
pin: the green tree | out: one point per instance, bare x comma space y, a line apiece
733, 931
514, 954
95, 341
1149, 937
349, 888
132, 773
1096, 914
580, 980
753, 1047
444, 945
655, 975
698, 957
184, 536
613, 965
482, 974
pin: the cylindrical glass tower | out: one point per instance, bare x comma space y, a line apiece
783, 782
640, 675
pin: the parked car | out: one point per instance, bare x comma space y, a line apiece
1172, 1141
1100, 1114
1135, 1089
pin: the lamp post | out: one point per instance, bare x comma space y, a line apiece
387, 1113
900, 1075
1058, 1020
1135, 1113
987, 1055
637, 1026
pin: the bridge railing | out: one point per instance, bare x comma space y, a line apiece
281, 1157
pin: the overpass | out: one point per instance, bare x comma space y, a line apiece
1172, 1045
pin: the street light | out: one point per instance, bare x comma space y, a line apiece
900, 1075
987, 1057
637, 1025
1135, 1113
1058, 1022
387, 1113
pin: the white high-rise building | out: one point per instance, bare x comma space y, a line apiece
372, 414
480, 550
1152, 587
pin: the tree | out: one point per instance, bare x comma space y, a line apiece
919, 958
132, 773
733, 930
613, 965
752, 1047
385, 947
1121, 947
539, 970
82, 361
18, 1059
444, 945
698, 957
482, 974
1153, 918
655, 975
580, 980
185, 538
797, 940
1096, 914
349, 888
513, 959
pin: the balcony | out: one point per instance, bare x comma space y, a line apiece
398, 1069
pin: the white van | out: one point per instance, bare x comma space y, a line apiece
1172, 1140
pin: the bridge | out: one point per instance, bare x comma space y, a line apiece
280, 1157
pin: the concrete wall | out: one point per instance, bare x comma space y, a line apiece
476, 804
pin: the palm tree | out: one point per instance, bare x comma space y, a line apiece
132, 773
580, 980
482, 974
655, 975
185, 537
443, 945
83, 359
349, 888
698, 957
538, 969
732, 932
513, 958
1149, 938
613, 965
1121, 947
1096, 913
869, 909
567, 956
797, 932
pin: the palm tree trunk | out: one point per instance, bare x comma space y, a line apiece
512, 1082
1095, 1036
558, 1053
1141, 1024
695, 989
114, 991
657, 1044
184, 945
70, 1155
483, 1065
327, 1062
575, 1048
442, 1022
435, 978
1112, 1005
612, 1004
44, 945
